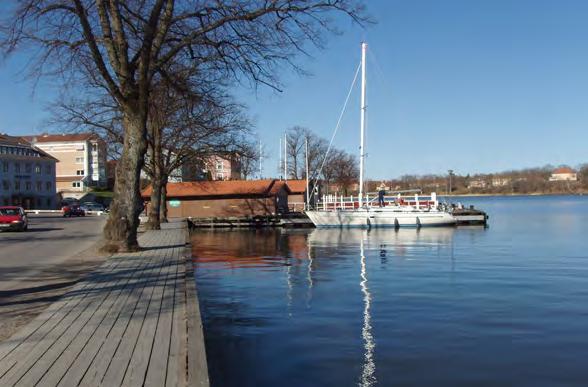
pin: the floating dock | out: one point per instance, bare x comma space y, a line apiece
470, 216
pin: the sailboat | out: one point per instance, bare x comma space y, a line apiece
396, 211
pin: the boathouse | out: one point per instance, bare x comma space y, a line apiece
231, 198
297, 195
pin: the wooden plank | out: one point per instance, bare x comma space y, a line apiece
41, 334
144, 347
93, 347
146, 313
126, 326
61, 333
176, 362
10, 344
197, 366
157, 369
62, 361
116, 337
42, 365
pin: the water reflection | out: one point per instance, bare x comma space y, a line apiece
403, 242
284, 269
445, 307
369, 367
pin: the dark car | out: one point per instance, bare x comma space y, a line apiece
13, 218
73, 210
92, 206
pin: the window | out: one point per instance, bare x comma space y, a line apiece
37, 168
28, 168
48, 185
94, 147
48, 169
76, 184
80, 172
6, 185
49, 202
28, 186
219, 165
39, 186
17, 185
79, 160
219, 176
17, 167
5, 166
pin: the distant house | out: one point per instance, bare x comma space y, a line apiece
500, 181
231, 198
563, 174
477, 183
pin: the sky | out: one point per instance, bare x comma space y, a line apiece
474, 86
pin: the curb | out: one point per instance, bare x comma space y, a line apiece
197, 367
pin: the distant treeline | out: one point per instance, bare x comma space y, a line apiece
524, 181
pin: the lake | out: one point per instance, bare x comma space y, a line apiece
497, 306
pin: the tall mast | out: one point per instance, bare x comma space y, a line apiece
280, 166
307, 174
363, 109
286, 156
260, 159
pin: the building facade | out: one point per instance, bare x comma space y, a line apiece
27, 175
563, 174
235, 198
82, 159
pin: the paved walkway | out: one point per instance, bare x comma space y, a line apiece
134, 321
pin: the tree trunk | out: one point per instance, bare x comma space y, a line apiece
156, 163
120, 231
163, 201
154, 206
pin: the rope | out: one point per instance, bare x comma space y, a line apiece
336, 129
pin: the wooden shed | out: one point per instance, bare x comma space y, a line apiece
297, 195
233, 198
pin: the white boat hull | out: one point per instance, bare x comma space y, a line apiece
380, 218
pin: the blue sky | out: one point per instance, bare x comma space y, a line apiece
474, 86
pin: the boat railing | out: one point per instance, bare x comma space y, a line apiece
339, 202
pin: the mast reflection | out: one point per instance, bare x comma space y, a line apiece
368, 377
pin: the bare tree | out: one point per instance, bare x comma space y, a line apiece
295, 150
123, 47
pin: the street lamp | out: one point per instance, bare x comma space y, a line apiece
450, 175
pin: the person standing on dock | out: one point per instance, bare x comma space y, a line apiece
381, 194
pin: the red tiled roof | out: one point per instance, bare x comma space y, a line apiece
297, 186
61, 137
220, 188
563, 170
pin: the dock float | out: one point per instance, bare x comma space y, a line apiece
135, 321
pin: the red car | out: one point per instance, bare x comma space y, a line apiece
13, 218
72, 210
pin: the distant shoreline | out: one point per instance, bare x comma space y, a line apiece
513, 194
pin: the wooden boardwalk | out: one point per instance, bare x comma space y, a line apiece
133, 322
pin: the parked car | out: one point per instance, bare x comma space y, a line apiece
73, 210
92, 206
13, 218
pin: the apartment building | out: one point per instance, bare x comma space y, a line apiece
27, 175
215, 167
224, 167
82, 159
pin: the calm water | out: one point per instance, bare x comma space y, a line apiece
503, 306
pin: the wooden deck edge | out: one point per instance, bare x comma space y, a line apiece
197, 367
